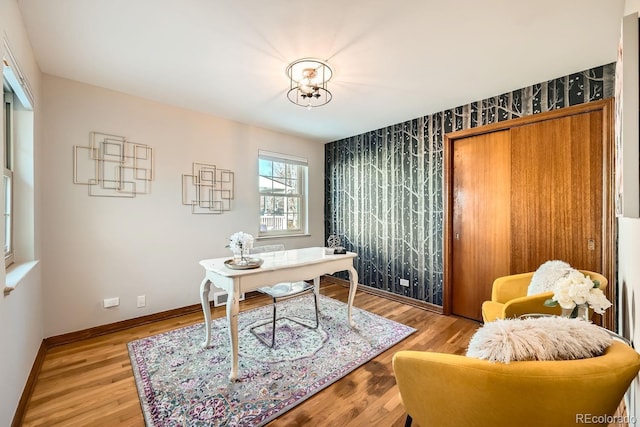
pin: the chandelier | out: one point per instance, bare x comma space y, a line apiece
308, 79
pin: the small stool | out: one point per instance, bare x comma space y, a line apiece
283, 291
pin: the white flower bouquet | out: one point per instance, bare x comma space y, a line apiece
576, 289
240, 243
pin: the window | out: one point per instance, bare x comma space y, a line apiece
7, 176
17, 144
282, 183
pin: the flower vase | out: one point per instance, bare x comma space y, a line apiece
239, 257
580, 311
583, 312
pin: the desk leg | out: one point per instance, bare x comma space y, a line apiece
316, 290
353, 286
233, 307
205, 287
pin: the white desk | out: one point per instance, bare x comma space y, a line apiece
286, 266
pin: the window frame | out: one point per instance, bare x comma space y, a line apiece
8, 172
300, 194
17, 134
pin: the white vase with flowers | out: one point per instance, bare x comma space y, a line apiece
576, 294
240, 243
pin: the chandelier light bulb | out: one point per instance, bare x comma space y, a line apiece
306, 87
309, 74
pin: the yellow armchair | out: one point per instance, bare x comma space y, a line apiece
447, 390
509, 297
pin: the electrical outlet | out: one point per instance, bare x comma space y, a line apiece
404, 282
111, 302
142, 301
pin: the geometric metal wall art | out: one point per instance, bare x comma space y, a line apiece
208, 189
111, 166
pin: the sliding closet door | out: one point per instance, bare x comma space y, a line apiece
533, 189
557, 197
481, 219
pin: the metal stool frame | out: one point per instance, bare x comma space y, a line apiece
308, 288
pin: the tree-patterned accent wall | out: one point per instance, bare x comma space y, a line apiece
384, 188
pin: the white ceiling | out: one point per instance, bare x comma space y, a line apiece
393, 60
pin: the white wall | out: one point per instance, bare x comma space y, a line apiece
102, 247
629, 270
629, 292
21, 315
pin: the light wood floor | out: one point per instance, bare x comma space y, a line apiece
90, 383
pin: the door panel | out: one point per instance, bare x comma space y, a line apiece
481, 219
557, 193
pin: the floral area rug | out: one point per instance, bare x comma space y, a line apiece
182, 384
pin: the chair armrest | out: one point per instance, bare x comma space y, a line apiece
533, 304
596, 276
507, 288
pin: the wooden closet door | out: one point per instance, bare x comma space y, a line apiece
557, 192
481, 219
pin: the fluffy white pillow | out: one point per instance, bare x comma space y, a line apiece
547, 275
538, 338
